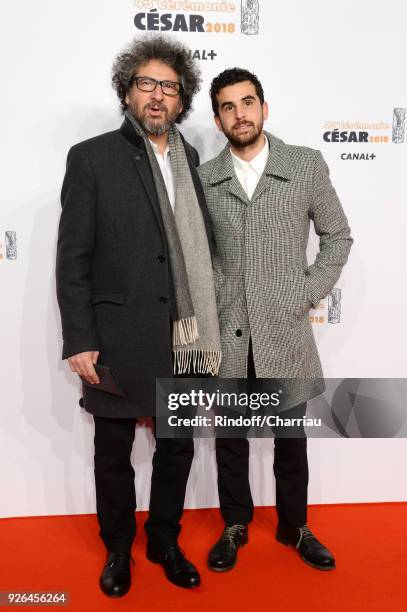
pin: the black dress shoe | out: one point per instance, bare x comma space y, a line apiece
310, 549
115, 579
177, 568
223, 556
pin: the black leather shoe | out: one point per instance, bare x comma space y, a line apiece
177, 568
310, 549
115, 579
223, 556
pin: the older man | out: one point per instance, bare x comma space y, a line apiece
262, 195
136, 294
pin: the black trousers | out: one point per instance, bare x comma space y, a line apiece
290, 471
115, 490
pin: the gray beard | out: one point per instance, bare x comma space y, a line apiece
155, 129
152, 127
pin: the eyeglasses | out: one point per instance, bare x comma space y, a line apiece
145, 83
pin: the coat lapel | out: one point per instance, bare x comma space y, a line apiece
277, 166
142, 165
236, 189
224, 172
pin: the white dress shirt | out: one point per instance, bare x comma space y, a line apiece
249, 173
164, 162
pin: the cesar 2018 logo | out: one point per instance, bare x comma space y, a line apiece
195, 21
379, 132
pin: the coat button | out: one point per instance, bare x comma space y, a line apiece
161, 258
163, 300
238, 333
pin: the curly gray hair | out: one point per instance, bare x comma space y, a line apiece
166, 50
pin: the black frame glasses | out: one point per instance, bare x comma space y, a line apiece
154, 82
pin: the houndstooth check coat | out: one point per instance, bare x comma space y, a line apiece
264, 285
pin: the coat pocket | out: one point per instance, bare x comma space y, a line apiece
295, 293
110, 298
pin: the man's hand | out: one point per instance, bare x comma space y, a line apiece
83, 363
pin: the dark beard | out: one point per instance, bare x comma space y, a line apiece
240, 142
153, 126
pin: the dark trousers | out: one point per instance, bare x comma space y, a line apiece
115, 490
290, 471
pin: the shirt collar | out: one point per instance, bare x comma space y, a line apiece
257, 164
155, 148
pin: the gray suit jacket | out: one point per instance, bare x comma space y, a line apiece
264, 285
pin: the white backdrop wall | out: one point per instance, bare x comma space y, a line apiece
322, 65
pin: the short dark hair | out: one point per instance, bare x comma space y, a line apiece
157, 47
231, 76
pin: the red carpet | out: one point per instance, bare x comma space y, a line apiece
369, 542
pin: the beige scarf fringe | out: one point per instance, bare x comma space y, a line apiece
185, 331
201, 361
